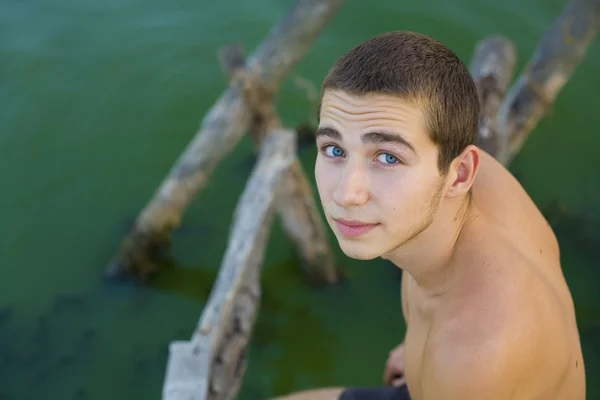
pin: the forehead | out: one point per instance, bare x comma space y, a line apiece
356, 114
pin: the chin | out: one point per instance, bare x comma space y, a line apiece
359, 251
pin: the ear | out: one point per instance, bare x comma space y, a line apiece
463, 171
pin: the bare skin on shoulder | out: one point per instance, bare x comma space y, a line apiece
488, 312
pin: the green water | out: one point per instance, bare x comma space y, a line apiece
97, 99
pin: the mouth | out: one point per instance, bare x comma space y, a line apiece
353, 228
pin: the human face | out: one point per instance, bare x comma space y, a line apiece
376, 172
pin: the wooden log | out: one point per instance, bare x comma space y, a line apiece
303, 224
492, 67
559, 52
211, 365
296, 204
220, 131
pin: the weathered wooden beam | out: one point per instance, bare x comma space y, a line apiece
220, 131
304, 225
559, 52
211, 365
296, 204
492, 67
232, 59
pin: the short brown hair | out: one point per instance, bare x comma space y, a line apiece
420, 69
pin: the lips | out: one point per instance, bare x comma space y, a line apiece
353, 228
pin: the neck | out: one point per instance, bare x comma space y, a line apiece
427, 256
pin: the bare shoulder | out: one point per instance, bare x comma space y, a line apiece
493, 336
501, 198
507, 328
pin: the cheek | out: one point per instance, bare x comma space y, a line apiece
401, 194
390, 187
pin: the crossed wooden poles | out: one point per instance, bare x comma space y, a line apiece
212, 363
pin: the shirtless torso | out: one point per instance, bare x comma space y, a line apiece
510, 316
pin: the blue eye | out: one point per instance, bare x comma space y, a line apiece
387, 158
334, 151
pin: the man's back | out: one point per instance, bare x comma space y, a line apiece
507, 317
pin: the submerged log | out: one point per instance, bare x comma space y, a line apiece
492, 68
220, 131
555, 58
212, 364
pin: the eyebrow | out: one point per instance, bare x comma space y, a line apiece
371, 137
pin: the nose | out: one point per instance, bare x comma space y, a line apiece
352, 189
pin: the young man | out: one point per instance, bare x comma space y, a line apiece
488, 312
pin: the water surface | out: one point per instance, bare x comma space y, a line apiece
97, 100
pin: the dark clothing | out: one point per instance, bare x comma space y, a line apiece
376, 393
